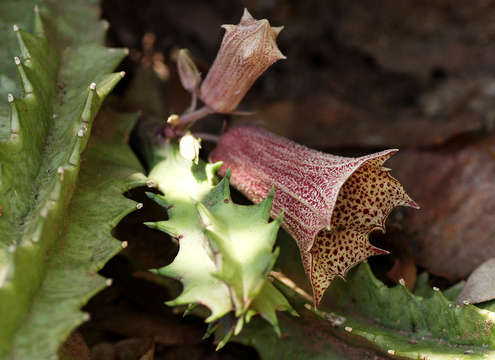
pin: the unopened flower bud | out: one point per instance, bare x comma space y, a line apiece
330, 203
247, 50
189, 147
190, 77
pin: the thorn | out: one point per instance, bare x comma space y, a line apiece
465, 302
402, 282
126, 51
435, 288
26, 84
89, 105
124, 244
60, 171
122, 73
108, 282
391, 352
139, 206
348, 329
86, 317
82, 130
10, 98
15, 28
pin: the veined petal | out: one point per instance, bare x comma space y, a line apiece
330, 203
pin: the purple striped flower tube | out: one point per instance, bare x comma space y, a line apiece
330, 203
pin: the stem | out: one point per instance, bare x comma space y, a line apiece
208, 137
188, 119
194, 102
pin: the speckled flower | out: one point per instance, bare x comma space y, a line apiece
247, 50
330, 203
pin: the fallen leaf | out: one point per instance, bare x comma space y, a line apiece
454, 185
480, 285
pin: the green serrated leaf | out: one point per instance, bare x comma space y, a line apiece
411, 326
369, 316
185, 184
86, 244
366, 313
226, 250
54, 77
243, 240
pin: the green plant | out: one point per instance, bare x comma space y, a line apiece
52, 197
61, 194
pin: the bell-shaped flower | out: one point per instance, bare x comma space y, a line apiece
330, 203
247, 50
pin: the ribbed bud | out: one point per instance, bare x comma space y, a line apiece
247, 50
330, 203
190, 77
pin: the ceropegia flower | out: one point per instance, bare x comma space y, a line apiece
330, 203
247, 50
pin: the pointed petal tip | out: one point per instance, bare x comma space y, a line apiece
279, 56
411, 203
317, 296
246, 18
276, 30
228, 27
378, 251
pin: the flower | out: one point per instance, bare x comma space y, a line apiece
330, 203
247, 50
